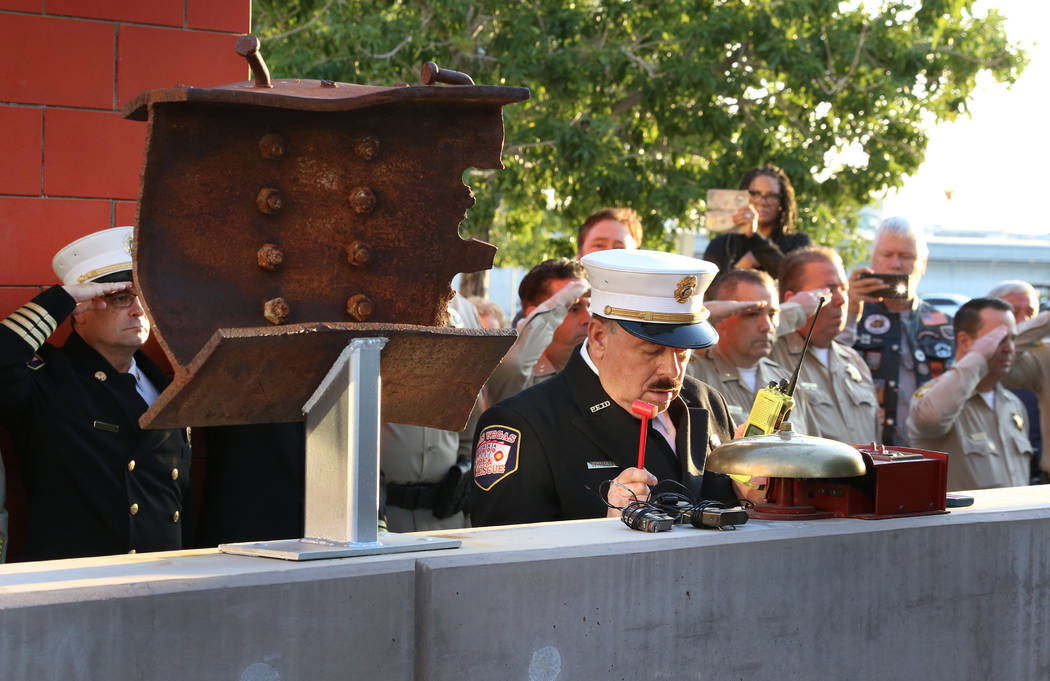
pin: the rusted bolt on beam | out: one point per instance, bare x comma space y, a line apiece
276, 310
367, 147
358, 254
431, 73
270, 257
359, 307
271, 147
248, 47
269, 200
362, 200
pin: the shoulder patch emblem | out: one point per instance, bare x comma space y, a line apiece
36, 362
496, 455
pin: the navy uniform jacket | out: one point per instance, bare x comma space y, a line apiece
542, 454
932, 342
96, 483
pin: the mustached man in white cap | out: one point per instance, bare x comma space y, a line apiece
96, 483
549, 452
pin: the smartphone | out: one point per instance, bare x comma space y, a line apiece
722, 205
896, 285
730, 200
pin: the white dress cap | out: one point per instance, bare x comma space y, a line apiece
648, 286
95, 255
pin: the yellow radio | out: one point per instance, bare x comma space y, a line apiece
774, 403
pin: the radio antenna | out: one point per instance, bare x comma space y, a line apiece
805, 348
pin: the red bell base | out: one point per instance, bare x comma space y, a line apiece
775, 512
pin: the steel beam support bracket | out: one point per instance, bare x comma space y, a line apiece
342, 469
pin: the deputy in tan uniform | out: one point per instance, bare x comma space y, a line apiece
967, 412
739, 364
426, 471
834, 379
1031, 370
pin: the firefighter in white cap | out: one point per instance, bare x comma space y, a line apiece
550, 452
96, 483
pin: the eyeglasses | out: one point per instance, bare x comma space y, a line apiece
764, 198
121, 299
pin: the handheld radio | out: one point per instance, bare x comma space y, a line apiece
774, 402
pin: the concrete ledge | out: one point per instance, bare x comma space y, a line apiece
958, 596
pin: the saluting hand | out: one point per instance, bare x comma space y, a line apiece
988, 344
89, 294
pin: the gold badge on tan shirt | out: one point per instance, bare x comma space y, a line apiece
853, 373
686, 288
1018, 421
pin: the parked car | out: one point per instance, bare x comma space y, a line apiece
947, 303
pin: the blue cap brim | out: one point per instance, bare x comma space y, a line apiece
688, 336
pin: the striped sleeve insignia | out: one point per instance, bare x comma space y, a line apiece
496, 455
32, 323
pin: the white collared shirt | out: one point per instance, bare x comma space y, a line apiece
143, 385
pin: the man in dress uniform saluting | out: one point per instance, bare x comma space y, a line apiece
96, 483
548, 452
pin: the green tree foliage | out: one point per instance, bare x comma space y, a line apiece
649, 103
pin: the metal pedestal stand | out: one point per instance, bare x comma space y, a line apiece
342, 469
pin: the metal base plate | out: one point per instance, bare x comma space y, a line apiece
320, 549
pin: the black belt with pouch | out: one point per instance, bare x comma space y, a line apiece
445, 498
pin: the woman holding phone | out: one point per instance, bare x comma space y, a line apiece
765, 226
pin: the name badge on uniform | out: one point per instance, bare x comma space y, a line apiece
600, 406
978, 436
108, 427
593, 465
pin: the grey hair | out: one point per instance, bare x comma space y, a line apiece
1005, 288
901, 227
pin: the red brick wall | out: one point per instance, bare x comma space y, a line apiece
71, 164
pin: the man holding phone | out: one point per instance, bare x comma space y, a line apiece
904, 340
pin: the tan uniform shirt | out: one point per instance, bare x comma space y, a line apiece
985, 447
713, 368
1031, 371
840, 397
416, 454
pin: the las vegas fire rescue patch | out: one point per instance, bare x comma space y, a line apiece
496, 455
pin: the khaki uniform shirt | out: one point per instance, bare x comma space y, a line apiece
840, 397
985, 447
1031, 371
420, 455
713, 368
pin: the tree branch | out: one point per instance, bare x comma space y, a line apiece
314, 19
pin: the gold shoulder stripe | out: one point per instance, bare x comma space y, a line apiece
21, 334
28, 324
44, 315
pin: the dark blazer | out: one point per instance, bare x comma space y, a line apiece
725, 249
85, 461
559, 440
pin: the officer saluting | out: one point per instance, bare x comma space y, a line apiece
96, 483
544, 453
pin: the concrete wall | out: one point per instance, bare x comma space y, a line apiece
958, 596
